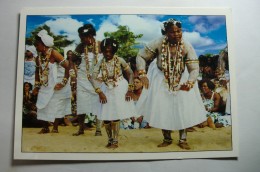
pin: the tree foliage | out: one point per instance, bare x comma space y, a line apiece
60, 41
126, 40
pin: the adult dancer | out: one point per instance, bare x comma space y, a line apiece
173, 100
51, 83
86, 56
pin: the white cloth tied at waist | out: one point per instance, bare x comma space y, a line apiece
46, 92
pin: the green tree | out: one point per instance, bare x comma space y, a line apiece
126, 40
60, 41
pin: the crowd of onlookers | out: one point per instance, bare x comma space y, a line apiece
214, 84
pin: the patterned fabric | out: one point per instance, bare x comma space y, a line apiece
29, 68
217, 117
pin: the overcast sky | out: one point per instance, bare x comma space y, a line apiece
206, 33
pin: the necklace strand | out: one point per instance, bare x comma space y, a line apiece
172, 65
105, 70
44, 67
95, 52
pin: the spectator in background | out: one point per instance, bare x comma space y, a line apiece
29, 108
212, 102
136, 121
29, 64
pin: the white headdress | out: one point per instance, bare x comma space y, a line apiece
32, 49
46, 39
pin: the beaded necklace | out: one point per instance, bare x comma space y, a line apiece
44, 67
111, 66
172, 64
95, 52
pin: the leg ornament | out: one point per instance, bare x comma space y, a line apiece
81, 121
167, 138
108, 128
183, 140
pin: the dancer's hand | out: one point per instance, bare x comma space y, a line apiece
185, 87
58, 86
145, 81
128, 96
102, 98
35, 91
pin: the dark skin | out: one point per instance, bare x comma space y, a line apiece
28, 55
28, 100
174, 35
87, 39
207, 92
54, 57
108, 55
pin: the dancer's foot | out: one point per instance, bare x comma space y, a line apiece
113, 146
108, 145
78, 133
184, 145
164, 144
44, 131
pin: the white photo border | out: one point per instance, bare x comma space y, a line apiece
19, 155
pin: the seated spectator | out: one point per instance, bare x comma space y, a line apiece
29, 108
212, 102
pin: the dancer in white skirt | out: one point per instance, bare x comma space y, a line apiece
86, 55
116, 96
51, 83
173, 100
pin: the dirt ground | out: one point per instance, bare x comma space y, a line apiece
135, 140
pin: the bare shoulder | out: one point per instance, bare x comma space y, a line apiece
56, 55
216, 95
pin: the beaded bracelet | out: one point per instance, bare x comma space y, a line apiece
62, 62
72, 73
130, 87
190, 84
37, 84
64, 81
98, 90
